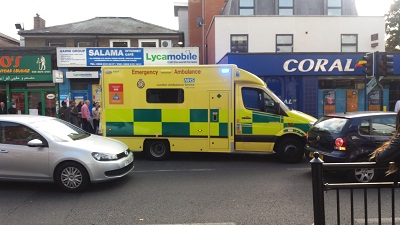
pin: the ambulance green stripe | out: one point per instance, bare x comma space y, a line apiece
176, 129
247, 130
257, 118
119, 129
198, 115
223, 129
147, 115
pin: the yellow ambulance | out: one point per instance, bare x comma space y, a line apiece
200, 108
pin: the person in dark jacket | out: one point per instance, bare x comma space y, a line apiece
3, 109
74, 119
13, 108
390, 150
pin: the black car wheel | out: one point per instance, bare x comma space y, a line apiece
71, 177
157, 149
290, 150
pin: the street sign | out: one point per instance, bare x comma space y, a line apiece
372, 83
374, 40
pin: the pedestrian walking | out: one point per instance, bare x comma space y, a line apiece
13, 108
86, 119
64, 112
390, 150
96, 117
3, 109
74, 118
397, 106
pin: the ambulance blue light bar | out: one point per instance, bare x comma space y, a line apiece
225, 70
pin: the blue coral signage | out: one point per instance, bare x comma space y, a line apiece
319, 64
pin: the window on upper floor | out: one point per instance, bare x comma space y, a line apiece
334, 7
56, 43
84, 44
120, 43
246, 7
285, 7
284, 43
349, 42
239, 42
148, 43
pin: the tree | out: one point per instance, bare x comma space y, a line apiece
393, 28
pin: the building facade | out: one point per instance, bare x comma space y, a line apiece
261, 35
100, 35
26, 78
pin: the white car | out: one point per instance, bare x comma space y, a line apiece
45, 148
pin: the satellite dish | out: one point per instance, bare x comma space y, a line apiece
199, 21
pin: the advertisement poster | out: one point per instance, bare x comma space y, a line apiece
96, 93
116, 93
329, 101
374, 100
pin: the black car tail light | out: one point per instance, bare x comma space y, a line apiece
340, 144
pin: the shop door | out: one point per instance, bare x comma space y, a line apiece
78, 96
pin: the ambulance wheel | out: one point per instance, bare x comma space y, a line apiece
290, 150
157, 149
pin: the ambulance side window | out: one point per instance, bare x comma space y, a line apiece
256, 99
164, 95
252, 99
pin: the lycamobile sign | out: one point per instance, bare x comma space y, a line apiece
165, 56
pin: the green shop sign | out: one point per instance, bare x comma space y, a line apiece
25, 68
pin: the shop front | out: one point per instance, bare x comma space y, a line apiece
82, 66
27, 81
321, 83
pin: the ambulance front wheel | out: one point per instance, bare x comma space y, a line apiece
290, 150
156, 149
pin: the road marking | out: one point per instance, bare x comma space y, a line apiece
376, 220
196, 224
155, 171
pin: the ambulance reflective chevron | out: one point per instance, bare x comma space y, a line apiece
201, 108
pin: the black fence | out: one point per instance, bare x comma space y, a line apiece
320, 188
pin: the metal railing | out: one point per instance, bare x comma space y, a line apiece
319, 187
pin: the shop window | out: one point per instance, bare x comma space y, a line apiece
349, 43
164, 95
148, 43
246, 7
334, 7
285, 7
120, 43
284, 43
239, 43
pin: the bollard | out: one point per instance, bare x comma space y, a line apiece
318, 189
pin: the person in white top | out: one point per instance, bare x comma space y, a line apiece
96, 117
397, 106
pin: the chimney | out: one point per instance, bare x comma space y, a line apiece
38, 22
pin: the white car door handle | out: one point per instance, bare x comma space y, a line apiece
3, 151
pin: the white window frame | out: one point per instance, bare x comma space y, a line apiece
120, 40
156, 41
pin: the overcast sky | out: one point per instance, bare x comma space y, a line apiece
159, 12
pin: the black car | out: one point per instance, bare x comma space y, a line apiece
351, 137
